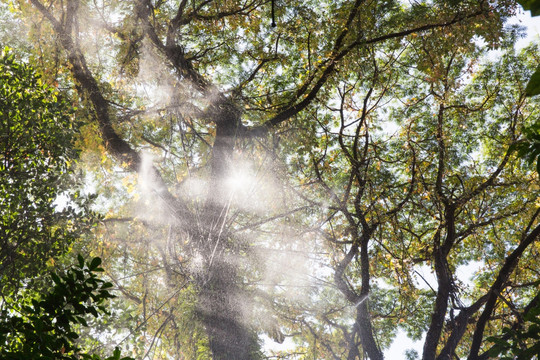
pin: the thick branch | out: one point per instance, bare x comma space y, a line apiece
505, 272
444, 279
330, 69
113, 142
117, 146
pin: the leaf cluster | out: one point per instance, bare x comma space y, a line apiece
521, 342
37, 155
533, 86
41, 325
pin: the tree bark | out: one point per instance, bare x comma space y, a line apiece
222, 303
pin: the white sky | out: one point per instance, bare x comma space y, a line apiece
533, 27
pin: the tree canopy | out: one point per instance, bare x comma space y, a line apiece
36, 151
320, 184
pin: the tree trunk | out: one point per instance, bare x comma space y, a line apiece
221, 300
220, 307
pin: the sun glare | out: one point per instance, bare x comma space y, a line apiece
240, 180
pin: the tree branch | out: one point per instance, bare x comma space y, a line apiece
330, 69
506, 270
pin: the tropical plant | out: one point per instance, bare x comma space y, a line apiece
40, 326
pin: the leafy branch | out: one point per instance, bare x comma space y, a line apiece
42, 327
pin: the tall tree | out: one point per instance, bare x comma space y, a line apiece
195, 96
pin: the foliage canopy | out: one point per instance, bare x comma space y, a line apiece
41, 326
322, 183
36, 153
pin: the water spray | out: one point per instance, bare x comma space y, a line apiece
364, 298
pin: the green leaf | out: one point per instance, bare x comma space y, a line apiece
532, 5
81, 260
115, 355
95, 263
533, 87
81, 320
107, 285
56, 279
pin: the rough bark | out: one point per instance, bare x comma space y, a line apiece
441, 251
221, 301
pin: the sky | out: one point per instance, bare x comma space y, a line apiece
532, 24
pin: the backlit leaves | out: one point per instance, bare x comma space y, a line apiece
36, 153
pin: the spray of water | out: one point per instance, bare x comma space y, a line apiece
276, 255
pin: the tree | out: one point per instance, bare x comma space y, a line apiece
533, 86
434, 194
204, 92
37, 150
